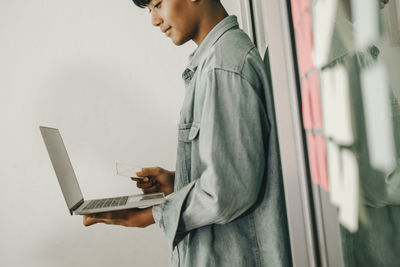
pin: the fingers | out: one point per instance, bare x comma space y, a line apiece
142, 185
145, 179
89, 220
152, 189
129, 217
153, 171
104, 217
147, 185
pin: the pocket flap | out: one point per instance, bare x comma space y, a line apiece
194, 131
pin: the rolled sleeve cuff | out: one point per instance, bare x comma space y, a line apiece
157, 215
168, 215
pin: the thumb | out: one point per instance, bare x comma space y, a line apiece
153, 171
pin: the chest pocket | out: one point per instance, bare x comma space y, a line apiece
187, 134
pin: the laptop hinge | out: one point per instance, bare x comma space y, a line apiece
76, 206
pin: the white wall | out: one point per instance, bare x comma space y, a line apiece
111, 82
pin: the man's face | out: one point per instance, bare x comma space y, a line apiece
175, 18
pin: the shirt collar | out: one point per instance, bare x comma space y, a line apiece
211, 38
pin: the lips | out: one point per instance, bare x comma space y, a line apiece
164, 30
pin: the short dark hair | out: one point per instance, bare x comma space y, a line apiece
141, 3
144, 3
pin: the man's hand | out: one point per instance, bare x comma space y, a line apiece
156, 179
130, 218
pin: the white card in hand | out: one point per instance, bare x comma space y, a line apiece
127, 170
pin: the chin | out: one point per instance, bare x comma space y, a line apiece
179, 41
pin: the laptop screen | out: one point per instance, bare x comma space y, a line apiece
62, 166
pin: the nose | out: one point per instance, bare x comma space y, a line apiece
156, 19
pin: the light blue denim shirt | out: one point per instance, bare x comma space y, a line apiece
228, 205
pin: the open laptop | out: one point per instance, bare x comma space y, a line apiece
70, 187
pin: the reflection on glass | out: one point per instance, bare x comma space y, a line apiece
353, 48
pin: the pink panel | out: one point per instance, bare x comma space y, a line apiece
296, 12
315, 100
322, 162
308, 39
312, 157
306, 104
304, 5
300, 49
304, 44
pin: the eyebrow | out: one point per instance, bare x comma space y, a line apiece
151, 2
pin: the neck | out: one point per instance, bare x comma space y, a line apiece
214, 14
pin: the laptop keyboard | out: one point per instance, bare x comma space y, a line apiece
106, 202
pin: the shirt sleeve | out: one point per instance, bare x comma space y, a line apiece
233, 132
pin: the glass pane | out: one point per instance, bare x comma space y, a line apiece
348, 54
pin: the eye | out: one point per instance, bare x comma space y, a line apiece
158, 5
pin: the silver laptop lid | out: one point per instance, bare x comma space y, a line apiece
63, 167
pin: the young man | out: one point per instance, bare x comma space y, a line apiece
225, 204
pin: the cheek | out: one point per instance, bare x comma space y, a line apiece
181, 35
177, 15
185, 28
